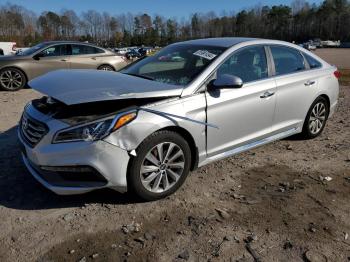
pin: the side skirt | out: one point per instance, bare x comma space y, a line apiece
249, 146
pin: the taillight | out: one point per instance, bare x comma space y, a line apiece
337, 74
14, 46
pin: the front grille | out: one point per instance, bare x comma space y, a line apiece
32, 130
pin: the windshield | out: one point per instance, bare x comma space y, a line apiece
32, 50
176, 64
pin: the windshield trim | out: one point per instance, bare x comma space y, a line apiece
42, 46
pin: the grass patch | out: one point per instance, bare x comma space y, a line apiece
345, 77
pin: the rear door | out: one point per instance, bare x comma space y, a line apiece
243, 115
51, 58
296, 86
85, 56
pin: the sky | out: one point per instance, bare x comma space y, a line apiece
168, 8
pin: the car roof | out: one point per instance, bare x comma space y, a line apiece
220, 41
69, 42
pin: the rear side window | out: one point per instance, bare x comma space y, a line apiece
287, 60
313, 63
85, 50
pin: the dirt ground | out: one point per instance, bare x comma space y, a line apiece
335, 56
273, 203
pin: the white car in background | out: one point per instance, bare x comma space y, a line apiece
309, 46
329, 43
121, 51
7, 48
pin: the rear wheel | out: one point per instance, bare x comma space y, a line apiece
12, 79
161, 166
106, 68
316, 118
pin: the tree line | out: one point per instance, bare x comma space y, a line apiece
297, 22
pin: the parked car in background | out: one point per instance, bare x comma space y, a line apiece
317, 42
17, 70
329, 43
20, 50
309, 46
133, 53
7, 48
144, 128
145, 50
121, 51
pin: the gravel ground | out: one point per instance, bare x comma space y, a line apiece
273, 203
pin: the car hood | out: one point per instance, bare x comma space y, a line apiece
12, 57
84, 86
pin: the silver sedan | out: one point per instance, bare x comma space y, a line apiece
145, 128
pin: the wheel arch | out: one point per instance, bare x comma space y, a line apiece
183, 133
327, 99
189, 139
17, 68
106, 64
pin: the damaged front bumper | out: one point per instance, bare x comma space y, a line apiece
77, 167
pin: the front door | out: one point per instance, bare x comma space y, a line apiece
52, 58
243, 115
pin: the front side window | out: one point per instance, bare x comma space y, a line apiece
85, 50
51, 51
56, 50
287, 60
313, 63
177, 64
249, 64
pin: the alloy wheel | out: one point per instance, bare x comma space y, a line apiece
162, 167
106, 68
317, 118
11, 80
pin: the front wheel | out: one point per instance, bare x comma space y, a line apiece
161, 166
12, 79
316, 118
105, 68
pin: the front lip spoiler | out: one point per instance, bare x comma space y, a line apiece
57, 189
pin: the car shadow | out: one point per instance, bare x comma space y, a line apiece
19, 190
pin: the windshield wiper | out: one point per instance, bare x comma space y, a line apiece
141, 76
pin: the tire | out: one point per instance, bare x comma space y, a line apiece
164, 177
316, 118
106, 68
12, 79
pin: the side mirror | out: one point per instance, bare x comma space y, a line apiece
227, 81
37, 56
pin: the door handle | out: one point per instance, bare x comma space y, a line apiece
309, 83
267, 94
64, 60
93, 58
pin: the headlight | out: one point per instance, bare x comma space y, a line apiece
94, 131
